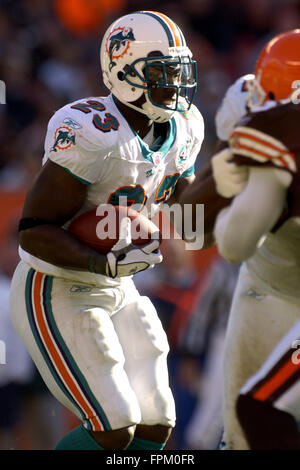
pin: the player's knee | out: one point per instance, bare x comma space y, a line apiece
160, 408
165, 407
118, 439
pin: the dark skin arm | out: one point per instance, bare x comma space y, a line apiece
202, 190
56, 196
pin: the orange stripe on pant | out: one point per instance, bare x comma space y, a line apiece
281, 376
55, 356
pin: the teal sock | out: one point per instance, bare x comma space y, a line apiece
141, 444
78, 439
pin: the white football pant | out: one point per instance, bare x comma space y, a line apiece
101, 352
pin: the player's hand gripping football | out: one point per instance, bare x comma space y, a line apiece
230, 178
126, 259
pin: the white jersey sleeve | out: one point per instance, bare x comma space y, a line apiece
194, 120
233, 107
70, 144
198, 134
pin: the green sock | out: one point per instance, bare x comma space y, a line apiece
78, 439
141, 444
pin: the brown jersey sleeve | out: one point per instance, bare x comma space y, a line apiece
270, 137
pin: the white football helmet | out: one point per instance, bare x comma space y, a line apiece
130, 68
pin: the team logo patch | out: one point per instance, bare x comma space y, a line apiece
72, 123
64, 137
156, 157
118, 43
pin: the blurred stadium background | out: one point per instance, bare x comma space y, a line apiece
49, 55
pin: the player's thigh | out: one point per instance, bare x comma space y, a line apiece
145, 347
76, 350
257, 321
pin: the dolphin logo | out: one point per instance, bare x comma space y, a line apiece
119, 43
64, 138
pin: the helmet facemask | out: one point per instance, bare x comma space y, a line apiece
256, 94
178, 74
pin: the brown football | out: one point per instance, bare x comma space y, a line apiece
101, 231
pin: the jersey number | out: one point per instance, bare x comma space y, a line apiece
136, 194
166, 188
105, 125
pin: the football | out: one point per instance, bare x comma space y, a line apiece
99, 228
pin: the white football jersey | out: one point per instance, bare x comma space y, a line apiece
92, 140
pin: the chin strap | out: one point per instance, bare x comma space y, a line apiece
155, 113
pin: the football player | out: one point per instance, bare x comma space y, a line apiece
97, 343
261, 227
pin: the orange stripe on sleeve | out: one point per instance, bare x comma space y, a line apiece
263, 142
258, 152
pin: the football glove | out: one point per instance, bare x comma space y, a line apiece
126, 259
230, 178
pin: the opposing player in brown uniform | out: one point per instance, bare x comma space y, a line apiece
262, 227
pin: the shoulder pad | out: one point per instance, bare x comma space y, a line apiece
268, 136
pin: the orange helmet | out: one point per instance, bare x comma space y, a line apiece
278, 65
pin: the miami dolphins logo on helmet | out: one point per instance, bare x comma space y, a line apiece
118, 43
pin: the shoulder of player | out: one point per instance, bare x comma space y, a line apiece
280, 121
192, 119
87, 118
268, 137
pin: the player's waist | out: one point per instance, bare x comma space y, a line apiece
84, 277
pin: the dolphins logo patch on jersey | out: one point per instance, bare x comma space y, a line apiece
118, 43
64, 137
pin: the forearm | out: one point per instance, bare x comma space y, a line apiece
59, 247
252, 214
203, 191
